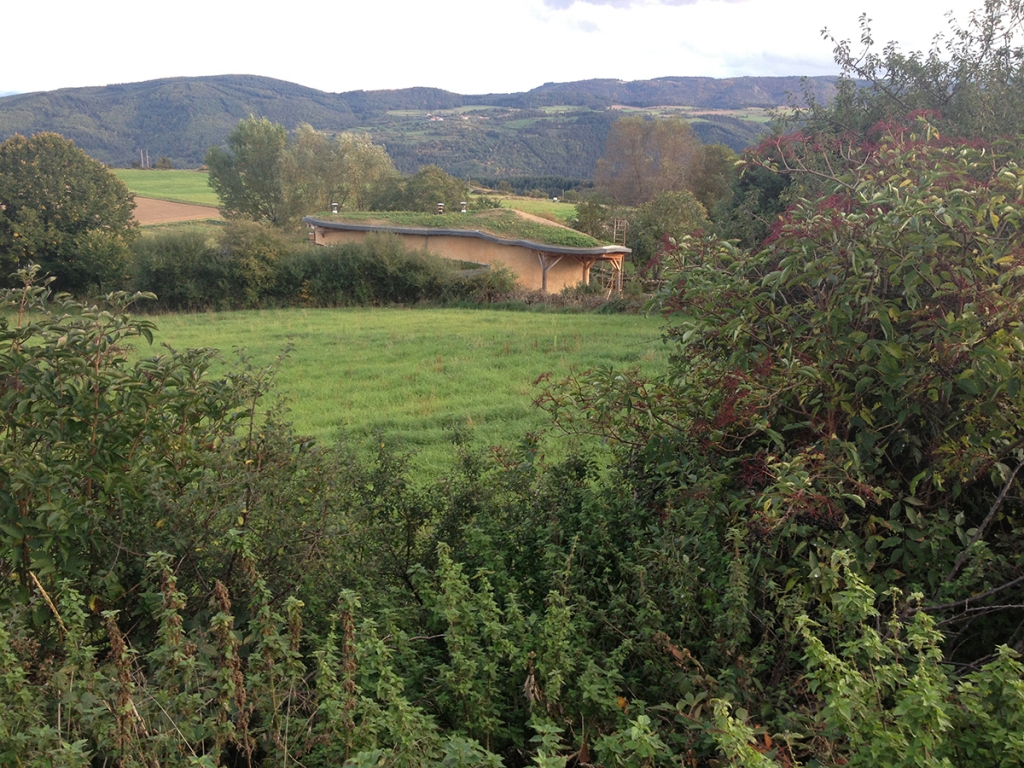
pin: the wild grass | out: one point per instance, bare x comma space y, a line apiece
413, 373
210, 227
178, 186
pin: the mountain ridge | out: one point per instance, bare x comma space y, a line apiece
553, 129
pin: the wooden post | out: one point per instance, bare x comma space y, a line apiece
545, 265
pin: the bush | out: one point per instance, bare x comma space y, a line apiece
248, 266
235, 268
378, 272
183, 269
855, 384
65, 211
652, 225
381, 271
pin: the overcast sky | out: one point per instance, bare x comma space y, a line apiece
472, 46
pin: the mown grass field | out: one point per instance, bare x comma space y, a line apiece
411, 373
179, 186
192, 187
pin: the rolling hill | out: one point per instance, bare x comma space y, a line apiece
555, 129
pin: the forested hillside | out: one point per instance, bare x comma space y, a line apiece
179, 118
557, 128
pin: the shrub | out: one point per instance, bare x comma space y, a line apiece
183, 269
236, 268
855, 384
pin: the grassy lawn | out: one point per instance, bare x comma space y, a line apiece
413, 372
179, 186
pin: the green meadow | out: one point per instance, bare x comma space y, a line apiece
413, 373
177, 186
192, 187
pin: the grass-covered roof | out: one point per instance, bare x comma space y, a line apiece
503, 223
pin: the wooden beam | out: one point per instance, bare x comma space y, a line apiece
545, 265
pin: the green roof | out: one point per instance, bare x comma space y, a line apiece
502, 223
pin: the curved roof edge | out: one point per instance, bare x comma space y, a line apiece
603, 250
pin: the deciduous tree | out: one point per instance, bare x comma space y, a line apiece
970, 83
422, 192
318, 170
972, 78
247, 175
64, 211
645, 157
263, 176
669, 215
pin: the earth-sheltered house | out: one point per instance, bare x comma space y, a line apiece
538, 263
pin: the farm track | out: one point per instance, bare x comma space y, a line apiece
149, 210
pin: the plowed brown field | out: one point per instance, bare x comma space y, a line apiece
150, 211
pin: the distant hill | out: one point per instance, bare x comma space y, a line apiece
706, 92
179, 118
555, 129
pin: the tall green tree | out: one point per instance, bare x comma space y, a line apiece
669, 215
247, 174
422, 192
318, 170
64, 211
265, 177
712, 179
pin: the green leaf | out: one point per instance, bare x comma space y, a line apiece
968, 385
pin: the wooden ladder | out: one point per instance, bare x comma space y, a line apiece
619, 232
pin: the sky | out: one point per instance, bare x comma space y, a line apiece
469, 47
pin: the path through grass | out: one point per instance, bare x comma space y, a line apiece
563, 213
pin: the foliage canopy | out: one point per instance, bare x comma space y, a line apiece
971, 78
644, 158
63, 210
318, 170
856, 383
247, 176
421, 192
